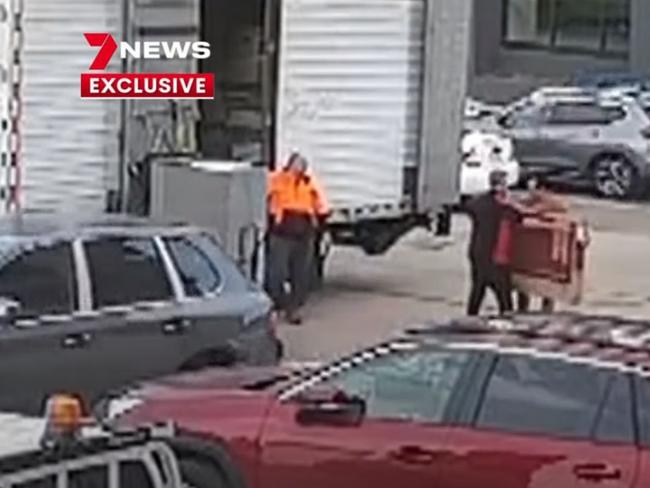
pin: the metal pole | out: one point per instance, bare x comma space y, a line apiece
125, 108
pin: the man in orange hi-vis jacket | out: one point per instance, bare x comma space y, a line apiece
297, 209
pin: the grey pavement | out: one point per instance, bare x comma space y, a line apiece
368, 299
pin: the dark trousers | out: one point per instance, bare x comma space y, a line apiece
523, 303
289, 261
497, 278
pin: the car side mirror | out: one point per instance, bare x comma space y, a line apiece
339, 410
9, 309
505, 121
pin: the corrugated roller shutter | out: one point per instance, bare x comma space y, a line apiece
8, 16
70, 145
350, 94
6, 30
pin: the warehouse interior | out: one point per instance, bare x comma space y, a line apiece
233, 124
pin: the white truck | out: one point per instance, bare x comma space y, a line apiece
371, 91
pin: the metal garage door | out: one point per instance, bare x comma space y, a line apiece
350, 95
8, 12
69, 146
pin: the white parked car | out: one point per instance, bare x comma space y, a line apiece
482, 153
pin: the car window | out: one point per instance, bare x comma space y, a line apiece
643, 409
615, 419
126, 270
582, 114
415, 385
523, 118
48, 482
135, 474
42, 281
543, 396
230, 272
94, 477
197, 271
614, 113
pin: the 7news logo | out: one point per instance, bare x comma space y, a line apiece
145, 85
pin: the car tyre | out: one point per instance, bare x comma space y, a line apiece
197, 473
615, 177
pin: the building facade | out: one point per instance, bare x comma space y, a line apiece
553, 39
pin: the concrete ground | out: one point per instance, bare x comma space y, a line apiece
368, 299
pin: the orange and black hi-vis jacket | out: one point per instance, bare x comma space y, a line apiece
296, 203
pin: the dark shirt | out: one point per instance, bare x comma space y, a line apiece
485, 213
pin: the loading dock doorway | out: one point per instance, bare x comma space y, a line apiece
239, 123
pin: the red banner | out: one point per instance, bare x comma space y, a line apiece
141, 85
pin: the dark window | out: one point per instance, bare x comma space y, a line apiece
414, 385
543, 396
601, 26
135, 474
582, 115
49, 482
126, 270
95, 477
524, 118
197, 271
614, 423
42, 281
612, 114
643, 409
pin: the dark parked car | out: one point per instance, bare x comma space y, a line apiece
532, 401
92, 304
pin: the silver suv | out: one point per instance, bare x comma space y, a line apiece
584, 138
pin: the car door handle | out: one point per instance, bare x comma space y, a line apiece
176, 327
414, 455
77, 341
596, 472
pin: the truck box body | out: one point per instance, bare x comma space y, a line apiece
350, 98
364, 93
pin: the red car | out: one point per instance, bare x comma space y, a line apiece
544, 402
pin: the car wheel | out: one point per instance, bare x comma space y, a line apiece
615, 177
197, 473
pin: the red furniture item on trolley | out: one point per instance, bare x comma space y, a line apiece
548, 257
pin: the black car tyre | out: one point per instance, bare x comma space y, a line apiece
615, 177
197, 473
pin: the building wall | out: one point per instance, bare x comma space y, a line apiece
488, 15
640, 37
517, 69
